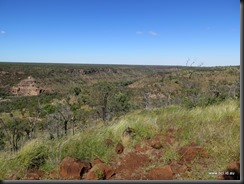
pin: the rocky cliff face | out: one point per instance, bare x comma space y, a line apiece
27, 87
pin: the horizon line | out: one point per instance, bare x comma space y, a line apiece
119, 64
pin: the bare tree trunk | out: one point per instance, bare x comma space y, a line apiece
16, 142
57, 129
73, 126
13, 144
33, 121
65, 127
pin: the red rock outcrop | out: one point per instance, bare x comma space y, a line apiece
28, 87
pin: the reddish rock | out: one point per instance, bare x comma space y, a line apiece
189, 153
34, 174
133, 161
141, 148
166, 139
156, 144
27, 87
72, 168
138, 148
232, 172
131, 166
97, 161
54, 175
119, 148
14, 177
178, 168
100, 171
160, 141
234, 166
161, 173
95, 175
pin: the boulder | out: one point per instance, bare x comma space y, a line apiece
100, 171
73, 168
161, 173
54, 175
96, 161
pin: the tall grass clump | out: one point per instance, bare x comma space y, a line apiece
84, 145
144, 124
33, 154
6, 165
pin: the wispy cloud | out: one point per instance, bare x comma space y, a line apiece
152, 33
2, 32
139, 32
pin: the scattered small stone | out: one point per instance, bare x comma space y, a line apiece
119, 148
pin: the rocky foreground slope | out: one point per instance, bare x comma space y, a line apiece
143, 162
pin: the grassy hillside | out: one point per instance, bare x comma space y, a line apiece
215, 127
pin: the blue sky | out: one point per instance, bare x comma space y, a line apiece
144, 32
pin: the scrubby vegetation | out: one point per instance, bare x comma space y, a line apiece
90, 104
